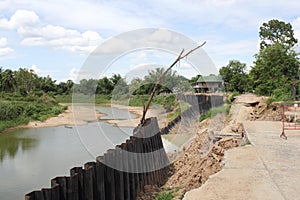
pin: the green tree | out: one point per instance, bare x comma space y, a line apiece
26, 80
135, 86
195, 78
115, 79
276, 65
104, 86
169, 82
275, 68
48, 84
88, 86
276, 31
8, 80
235, 76
120, 89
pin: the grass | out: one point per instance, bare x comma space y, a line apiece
168, 194
183, 106
213, 112
165, 196
83, 98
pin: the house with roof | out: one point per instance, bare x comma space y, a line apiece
208, 84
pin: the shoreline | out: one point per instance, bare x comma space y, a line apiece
132, 123
82, 116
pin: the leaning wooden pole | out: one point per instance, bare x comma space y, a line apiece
180, 56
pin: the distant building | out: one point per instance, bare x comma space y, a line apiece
208, 84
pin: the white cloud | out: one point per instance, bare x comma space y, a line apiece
296, 27
5, 51
34, 33
21, 18
73, 74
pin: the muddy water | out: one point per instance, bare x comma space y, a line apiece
30, 158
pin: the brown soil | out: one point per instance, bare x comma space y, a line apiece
203, 157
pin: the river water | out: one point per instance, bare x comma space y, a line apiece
30, 158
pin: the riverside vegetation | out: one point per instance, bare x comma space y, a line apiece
25, 96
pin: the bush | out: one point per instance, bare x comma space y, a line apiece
23, 109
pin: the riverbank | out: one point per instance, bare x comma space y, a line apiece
152, 112
83, 115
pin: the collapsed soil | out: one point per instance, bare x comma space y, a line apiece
205, 153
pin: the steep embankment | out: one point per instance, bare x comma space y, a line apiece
205, 153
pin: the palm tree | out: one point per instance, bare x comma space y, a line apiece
8, 80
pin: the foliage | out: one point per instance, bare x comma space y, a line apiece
165, 196
180, 108
27, 82
195, 78
275, 69
170, 83
235, 76
277, 32
21, 110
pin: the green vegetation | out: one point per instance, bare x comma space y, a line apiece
24, 96
165, 196
169, 194
183, 106
22, 110
235, 77
276, 65
213, 112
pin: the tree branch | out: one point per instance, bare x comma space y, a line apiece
180, 56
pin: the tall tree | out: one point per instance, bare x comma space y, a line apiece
104, 86
275, 68
276, 31
235, 76
8, 80
276, 65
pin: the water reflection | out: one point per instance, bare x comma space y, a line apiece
11, 143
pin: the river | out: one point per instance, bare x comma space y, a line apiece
30, 158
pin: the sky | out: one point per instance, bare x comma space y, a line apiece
58, 37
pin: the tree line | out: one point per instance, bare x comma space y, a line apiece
117, 86
25, 81
276, 65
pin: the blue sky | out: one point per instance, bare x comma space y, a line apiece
56, 37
